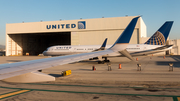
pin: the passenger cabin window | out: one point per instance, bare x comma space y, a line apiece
80, 49
62, 48
90, 48
133, 48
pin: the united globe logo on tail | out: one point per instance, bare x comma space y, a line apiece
161, 35
157, 39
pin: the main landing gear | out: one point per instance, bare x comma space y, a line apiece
106, 60
102, 62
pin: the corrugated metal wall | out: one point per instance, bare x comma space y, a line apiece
97, 37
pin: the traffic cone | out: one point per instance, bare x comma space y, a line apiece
119, 66
136, 59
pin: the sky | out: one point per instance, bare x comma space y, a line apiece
154, 12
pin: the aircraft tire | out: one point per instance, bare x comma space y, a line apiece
100, 62
106, 60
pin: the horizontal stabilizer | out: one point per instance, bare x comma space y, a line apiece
163, 47
152, 51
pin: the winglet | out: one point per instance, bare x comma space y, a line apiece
123, 40
161, 35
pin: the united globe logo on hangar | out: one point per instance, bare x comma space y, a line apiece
81, 24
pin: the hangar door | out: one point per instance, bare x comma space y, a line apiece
36, 43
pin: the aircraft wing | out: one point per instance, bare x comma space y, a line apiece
27, 71
14, 69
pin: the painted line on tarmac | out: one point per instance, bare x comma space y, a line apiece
173, 96
6, 95
98, 86
72, 85
176, 98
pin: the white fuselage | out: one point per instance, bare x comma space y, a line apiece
134, 49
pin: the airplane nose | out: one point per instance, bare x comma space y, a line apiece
44, 53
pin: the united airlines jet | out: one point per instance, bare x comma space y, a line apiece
155, 44
28, 71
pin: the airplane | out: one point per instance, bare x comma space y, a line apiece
68, 49
28, 71
155, 44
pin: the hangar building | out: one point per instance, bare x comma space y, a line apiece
35, 37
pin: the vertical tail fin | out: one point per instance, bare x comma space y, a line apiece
161, 35
123, 40
104, 44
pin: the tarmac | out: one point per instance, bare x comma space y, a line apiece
155, 81
154, 69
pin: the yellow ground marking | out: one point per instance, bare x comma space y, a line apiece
13, 93
178, 98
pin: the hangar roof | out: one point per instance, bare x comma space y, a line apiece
71, 25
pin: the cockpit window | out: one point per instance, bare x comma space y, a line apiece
48, 49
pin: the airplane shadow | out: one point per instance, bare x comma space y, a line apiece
86, 69
84, 61
14, 60
55, 75
88, 61
177, 58
176, 63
